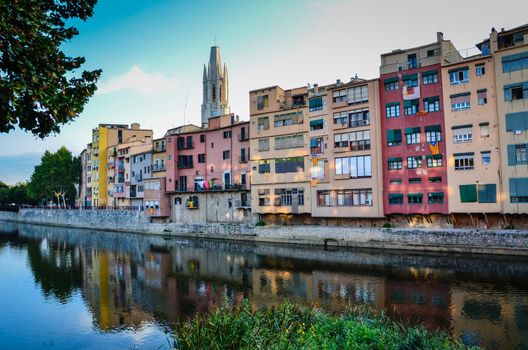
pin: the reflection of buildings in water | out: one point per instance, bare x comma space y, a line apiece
332, 290
418, 296
107, 288
490, 318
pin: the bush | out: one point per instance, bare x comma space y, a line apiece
288, 326
260, 223
387, 225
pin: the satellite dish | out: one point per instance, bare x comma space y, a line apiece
517, 132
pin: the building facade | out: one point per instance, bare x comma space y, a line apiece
413, 130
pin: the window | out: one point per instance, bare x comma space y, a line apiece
392, 110
459, 75
339, 95
202, 138
430, 77
263, 145
360, 140
290, 141
519, 190
226, 155
414, 162
412, 135
318, 170
185, 161
286, 119
395, 163
324, 199
518, 91
410, 107
412, 61
395, 198
359, 117
289, 165
316, 124
480, 70
289, 196
317, 145
517, 122
462, 133
435, 179
341, 140
341, 118
264, 166
263, 123
431, 104
415, 180
189, 142
435, 198
482, 96
486, 157
464, 161
391, 84
434, 161
361, 197
315, 104
395, 181
394, 137
354, 166
410, 80
515, 62
414, 198
484, 129
430, 53
433, 133
227, 134
358, 94
517, 154
262, 102
264, 197
201, 158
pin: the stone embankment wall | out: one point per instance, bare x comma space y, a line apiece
505, 242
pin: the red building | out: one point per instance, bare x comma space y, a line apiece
413, 132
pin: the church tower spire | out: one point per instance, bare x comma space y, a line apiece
215, 87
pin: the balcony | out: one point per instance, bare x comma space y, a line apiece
160, 167
185, 165
186, 145
243, 137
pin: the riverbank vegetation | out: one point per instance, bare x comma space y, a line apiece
288, 326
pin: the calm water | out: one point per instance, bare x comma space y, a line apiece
79, 289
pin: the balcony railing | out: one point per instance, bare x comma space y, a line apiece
186, 145
157, 167
185, 165
243, 159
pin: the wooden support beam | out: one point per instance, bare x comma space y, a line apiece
471, 218
486, 219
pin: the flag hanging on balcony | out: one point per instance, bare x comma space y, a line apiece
434, 147
410, 92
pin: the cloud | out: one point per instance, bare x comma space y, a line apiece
141, 82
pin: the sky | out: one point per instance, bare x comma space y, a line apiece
152, 54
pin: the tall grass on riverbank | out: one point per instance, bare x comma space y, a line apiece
289, 326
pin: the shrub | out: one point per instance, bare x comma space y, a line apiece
260, 223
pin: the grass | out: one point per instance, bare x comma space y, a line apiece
289, 326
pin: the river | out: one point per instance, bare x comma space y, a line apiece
82, 289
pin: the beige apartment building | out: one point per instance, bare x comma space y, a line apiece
472, 139
345, 149
279, 151
509, 49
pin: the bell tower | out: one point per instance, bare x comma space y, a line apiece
215, 87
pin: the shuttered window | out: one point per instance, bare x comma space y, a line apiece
517, 121
394, 137
519, 190
468, 193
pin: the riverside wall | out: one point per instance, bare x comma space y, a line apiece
503, 242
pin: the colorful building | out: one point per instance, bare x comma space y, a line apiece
156, 199
413, 130
472, 140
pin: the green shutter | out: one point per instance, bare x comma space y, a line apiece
316, 103
517, 121
458, 69
519, 186
391, 104
433, 128
318, 122
397, 135
512, 158
431, 99
409, 131
390, 136
394, 159
391, 80
429, 72
410, 77
313, 143
460, 95
468, 193
395, 195
482, 90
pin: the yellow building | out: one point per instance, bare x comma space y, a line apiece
104, 137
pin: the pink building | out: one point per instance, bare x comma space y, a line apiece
208, 171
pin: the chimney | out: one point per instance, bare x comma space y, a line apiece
338, 82
134, 126
439, 37
315, 86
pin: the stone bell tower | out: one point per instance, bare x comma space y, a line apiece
215, 87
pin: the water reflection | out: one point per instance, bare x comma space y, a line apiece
126, 280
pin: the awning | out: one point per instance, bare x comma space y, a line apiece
433, 128
318, 122
458, 69
394, 159
316, 103
409, 131
410, 77
460, 95
391, 80
429, 72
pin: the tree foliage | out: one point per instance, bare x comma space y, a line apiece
54, 179
39, 91
16, 194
